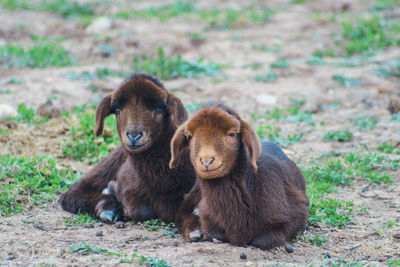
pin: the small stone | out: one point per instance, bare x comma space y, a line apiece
120, 225
216, 241
7, 111
243, 256
99, 232
195, 236
89, 225
99, 25
328, 255
267, 99
289, 249
48, 109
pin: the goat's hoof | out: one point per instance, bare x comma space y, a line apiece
195, 236
109, 216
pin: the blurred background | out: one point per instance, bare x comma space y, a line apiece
318, 77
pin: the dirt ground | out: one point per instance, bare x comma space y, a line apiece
39, 235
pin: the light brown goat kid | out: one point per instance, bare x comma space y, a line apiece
244, 195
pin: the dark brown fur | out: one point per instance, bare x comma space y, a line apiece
258, 199
136, 172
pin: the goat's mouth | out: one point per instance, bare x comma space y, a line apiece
137, 148
210, 173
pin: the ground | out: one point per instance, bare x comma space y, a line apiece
293, 74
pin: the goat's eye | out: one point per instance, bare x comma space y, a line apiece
117, 111
232, 135
189, 137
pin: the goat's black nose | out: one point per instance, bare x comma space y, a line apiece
134, 137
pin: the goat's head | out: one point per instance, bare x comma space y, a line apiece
214, 136
143, 108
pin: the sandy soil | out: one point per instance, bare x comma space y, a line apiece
39, 236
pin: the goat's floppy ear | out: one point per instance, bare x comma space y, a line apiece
178, 113
250, 140
103, 110
178, 143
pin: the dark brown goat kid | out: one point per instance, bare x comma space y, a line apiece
136, 173
242, 197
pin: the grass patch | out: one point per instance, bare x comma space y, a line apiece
229, 18
84, 145
85, 249
30, 181
79, 219
316, 240
340, 136
99, 74
280, 64
43, 54
269, 77
142, 260
67, 8
225, 18
386, 148
346, 81
156, 224
340, 169
166, 67
366, 35
366, 123
28, 116
272, 134
394, 262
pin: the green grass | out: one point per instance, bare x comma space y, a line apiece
315, 240
332, 170
166, 67
27, 115
386, 4
228, 18
272, 134
100, 73
30, 181
394, 262
224, 18
366, 35
340, 136
269, 77
86, 249
84, 145
64, 8
280, 64
142, 260
67, 8
366, 123
43, 54
346, 81
293, 113
79, 219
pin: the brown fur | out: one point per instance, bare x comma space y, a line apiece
242, 197
136, 172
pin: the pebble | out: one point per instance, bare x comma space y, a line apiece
120, 225
243, 256
267, 99
7, 111
89, 225
99, 232
289, 249
99, 25
195, 236
328, 255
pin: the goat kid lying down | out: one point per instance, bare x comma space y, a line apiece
242, 197
136, 172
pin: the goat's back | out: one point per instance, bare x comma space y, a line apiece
273, 156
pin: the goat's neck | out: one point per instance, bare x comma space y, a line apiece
234, 187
